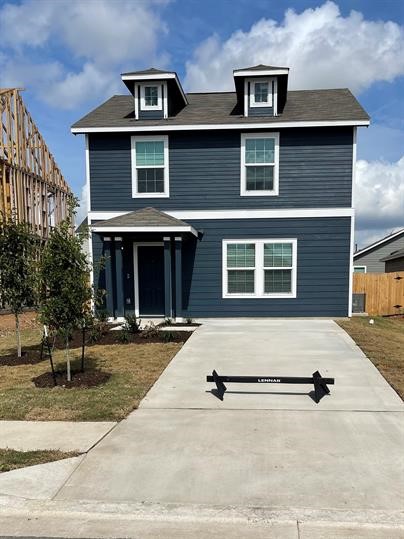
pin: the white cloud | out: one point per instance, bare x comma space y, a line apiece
322, 48
379, 196
105, 36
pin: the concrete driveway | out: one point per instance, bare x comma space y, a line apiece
265, 446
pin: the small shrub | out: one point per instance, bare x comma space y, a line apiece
132, 324
189, 321
167, 322
168, 336
95, 334
124, 336
102, 321
102, 316
151, 330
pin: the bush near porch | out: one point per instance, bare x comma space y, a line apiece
133, 369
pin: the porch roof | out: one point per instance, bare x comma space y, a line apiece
144, 220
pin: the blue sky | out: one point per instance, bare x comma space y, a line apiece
68, 56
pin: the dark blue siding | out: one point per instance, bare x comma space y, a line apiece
150, 114
323, 247
260, 111
315, 171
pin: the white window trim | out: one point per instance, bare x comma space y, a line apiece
356, 266
270, 100
166, 193
259, 269
143, 105
243, 177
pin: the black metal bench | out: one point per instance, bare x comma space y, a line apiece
320, 383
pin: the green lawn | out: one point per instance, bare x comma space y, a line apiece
134, 368
383, 343
11, 460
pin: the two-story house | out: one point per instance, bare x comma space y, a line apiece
222, 203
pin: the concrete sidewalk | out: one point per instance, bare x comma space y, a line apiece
62, 435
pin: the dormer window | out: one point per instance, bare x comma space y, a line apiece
151, 97
261, 93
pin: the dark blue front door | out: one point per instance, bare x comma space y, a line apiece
151, 280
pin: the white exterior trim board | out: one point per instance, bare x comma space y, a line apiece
119, 229
207, 127
239, 214
263, 73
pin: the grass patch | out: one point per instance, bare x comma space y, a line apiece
383, 343
133, 367
11, 460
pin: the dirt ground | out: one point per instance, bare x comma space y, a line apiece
28, 320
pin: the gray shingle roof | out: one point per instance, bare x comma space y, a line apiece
382, 241
221, 108
150, 71
393, 255
259, 67
144, 217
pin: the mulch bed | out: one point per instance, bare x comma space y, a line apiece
113, 337
29, 357
86, 379
184, 324
32, 355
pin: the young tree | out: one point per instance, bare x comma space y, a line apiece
65, 290
18, 254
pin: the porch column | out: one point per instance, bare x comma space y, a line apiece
168, 303
119, 278
178, 279
109, 299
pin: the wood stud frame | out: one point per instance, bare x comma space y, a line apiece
29, 174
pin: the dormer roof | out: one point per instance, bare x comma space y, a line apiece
153, 74
259, 70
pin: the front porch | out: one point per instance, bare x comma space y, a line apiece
141, 268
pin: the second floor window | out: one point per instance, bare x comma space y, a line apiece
150, 167
259, 164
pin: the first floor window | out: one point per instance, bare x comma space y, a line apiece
259, 268
150, 166
359, 269
259, 164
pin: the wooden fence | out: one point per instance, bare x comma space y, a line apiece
384, 292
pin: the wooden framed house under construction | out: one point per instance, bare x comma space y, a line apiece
32, 187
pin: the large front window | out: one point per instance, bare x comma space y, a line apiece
150, 166
259, 268
259, 164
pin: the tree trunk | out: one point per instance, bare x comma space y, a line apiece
83, 347
69, 375
18, 334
